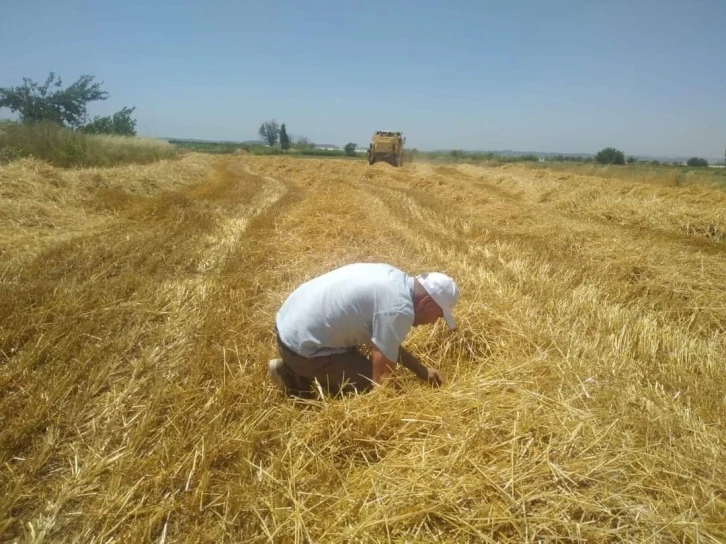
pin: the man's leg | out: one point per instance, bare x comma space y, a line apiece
341, 373
292, 382
349, 372
345, 372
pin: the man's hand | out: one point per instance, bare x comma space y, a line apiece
383, 368
434, 377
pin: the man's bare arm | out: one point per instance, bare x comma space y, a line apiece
412, 363
423, 372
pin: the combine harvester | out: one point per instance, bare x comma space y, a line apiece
386, 146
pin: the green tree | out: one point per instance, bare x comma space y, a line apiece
632, 160
51, 102
696, 161
284, 138
270, 132
610, 155
349, 149
120, 124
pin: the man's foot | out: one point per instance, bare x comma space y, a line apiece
283, 377
274, 367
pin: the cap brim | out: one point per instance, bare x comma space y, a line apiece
449, 319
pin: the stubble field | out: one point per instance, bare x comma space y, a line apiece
586, 389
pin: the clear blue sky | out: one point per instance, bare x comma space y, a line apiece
648, 77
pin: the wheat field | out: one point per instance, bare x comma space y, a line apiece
585, 394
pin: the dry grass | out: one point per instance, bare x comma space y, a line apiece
585, 384
61, 147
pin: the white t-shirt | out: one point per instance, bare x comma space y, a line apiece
352, 305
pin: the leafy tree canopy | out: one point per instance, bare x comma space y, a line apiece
120, 124
51, 102
610, 155
270, 132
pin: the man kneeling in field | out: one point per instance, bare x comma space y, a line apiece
323, 321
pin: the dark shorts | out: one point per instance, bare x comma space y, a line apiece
341, 373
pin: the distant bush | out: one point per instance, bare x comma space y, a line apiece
695, 161
62, 147
610, 155
568, 158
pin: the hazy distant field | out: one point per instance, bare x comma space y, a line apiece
647, 173
585, 396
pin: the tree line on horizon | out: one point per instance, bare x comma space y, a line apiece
610, 155
273, 133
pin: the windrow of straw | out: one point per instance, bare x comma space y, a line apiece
584, 396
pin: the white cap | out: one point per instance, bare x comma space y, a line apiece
442, 289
